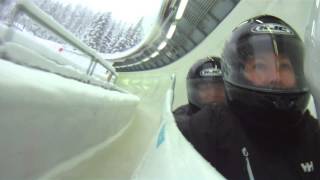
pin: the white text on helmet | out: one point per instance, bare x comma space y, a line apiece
210, 72
272, 28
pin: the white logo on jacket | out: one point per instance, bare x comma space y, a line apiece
307, 167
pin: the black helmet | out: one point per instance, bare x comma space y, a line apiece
263, 72
205, 74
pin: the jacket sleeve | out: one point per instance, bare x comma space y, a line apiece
202, 134
182, 120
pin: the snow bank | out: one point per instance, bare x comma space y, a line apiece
35, 44
31, 51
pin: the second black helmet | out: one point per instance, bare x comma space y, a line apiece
204, 82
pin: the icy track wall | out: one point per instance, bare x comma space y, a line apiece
47, 119
170, 156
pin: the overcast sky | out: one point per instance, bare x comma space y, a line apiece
126, 10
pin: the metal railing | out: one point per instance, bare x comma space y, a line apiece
34, 12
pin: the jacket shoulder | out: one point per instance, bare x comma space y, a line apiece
181, 110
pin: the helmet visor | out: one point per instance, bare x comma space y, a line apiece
269, 63
203, 92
